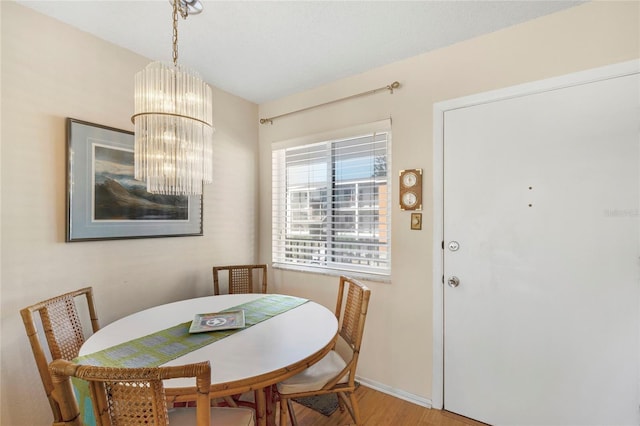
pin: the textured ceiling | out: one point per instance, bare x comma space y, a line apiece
264, 50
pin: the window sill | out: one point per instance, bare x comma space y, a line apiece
334, 272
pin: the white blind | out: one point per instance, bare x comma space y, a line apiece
331, 202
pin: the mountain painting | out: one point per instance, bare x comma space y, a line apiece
119, 197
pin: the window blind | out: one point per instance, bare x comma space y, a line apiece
331, 202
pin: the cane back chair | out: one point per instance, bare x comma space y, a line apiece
241, 278
63, 332
136, 396
332, 374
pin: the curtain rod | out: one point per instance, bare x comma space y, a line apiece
389, 87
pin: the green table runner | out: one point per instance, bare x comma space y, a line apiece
163, 346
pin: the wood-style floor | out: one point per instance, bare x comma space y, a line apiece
380, 409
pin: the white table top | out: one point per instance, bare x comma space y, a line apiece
267, 347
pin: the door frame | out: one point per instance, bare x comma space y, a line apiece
439, 109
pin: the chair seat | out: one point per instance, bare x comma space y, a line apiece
316, 376
220, 416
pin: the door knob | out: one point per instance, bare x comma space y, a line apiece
453, 282
454, 245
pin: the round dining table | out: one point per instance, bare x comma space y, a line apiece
252, 359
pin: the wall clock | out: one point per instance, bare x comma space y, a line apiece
411, 189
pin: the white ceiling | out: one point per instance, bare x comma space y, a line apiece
264, 50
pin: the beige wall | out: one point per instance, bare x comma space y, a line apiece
51, 71
397, 350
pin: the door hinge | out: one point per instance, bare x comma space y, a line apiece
443, 279
442, 244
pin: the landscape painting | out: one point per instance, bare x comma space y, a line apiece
118, 196
105, 202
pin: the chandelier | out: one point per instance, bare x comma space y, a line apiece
173, 122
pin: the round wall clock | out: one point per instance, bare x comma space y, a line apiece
409, 199
411, 189
409, 179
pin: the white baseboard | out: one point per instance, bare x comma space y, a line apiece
398, 393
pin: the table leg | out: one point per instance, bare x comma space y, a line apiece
261, 405
271, 406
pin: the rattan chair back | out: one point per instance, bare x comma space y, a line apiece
351, 318
127, 396
63, 333
351, 311
241, 278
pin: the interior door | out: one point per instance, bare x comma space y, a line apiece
541, 251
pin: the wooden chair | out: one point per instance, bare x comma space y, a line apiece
332, 374
241, 278
136, 396
63, 333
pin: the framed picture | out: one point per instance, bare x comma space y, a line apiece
104, 201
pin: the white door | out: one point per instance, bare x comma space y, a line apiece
541, 213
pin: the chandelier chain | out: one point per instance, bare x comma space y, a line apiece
184, 12
175, 32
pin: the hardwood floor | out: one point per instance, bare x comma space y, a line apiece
380, 409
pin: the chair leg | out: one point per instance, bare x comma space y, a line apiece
284, 411
348, 399
355, 408
341, 403
292, 413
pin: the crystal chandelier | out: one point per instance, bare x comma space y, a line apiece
173, 122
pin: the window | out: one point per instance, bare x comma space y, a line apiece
331, 202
